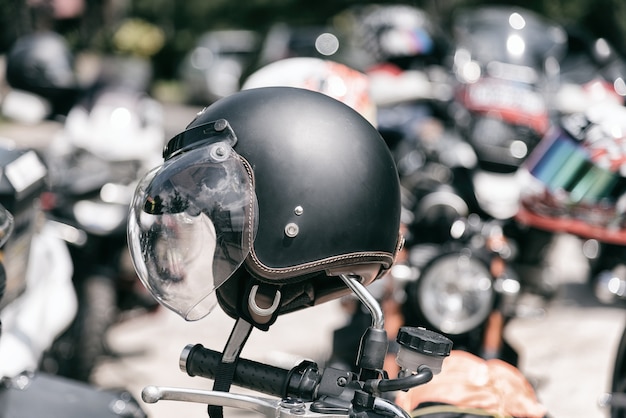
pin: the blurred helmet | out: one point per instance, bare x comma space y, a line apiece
512, 35
42, 63
576, 177
269, 189
398, 33
501, 146
325, 76
116, 124
506, 58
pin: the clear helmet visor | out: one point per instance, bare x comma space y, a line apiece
191, 225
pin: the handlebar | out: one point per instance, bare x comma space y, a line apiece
196, 360
304, 381
305, 391
329, 392
301, 381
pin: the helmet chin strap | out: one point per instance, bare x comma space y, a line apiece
262, 312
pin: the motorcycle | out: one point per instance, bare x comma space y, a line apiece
593, 76
575, 185
462, 288
110, 138
37, 301
466, 288
41, 394
454, 253
187, 249
506, 61
109, 130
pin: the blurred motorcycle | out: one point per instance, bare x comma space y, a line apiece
465, 289
195, 251
111, 133
575, 184
110, 138
462, 288
38, 306
39, 300
447, 244
591, 73
506, 61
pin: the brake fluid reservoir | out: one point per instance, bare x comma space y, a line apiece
422, 347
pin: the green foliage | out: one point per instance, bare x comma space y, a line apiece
172, 26
137, 37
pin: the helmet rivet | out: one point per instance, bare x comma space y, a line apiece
219, 152
298, 210
220, 125
291, 230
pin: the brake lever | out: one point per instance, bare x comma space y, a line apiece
265, 406
285, 408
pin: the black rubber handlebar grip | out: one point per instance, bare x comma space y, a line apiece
199, 361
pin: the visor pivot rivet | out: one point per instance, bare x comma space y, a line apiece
291, 230
219, 152
299, 210
220, 125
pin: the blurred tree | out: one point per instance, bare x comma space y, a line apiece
182, 22
606, 18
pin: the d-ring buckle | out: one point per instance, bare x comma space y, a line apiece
256, 309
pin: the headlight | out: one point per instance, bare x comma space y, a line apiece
455, 293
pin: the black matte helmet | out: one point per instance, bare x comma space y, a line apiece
42, 63
269, 189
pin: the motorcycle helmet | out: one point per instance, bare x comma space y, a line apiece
275, 191
116, 124
399, 34
575, 180
325, 76
505, 35
42, 63
505, 58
